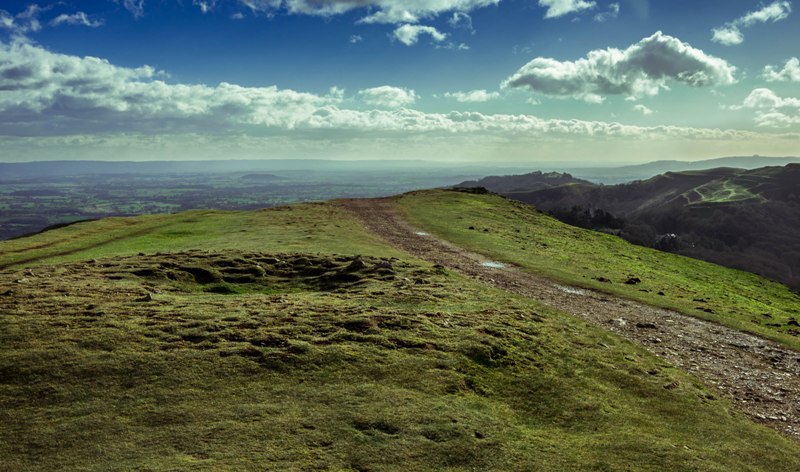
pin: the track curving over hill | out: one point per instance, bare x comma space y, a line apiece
761, 377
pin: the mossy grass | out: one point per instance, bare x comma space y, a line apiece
116, 365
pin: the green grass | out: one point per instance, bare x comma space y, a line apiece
519, 234
323, 228
412, 368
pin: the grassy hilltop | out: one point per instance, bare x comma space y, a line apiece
293, 339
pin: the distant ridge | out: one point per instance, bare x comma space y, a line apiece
651, 169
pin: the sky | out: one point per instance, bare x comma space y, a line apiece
490, 81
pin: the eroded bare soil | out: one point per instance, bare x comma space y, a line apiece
761, 377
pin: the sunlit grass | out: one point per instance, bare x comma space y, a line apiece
516, 233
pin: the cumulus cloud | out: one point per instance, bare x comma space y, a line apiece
58, 98
78, 19
772, 110
388, 97
730, 34
409, 34
640, 70
789, 73
382, 11
610, 14
643, 109
474, 96
557, 8
355, 38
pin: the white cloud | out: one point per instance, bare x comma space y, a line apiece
461, 20
557, 8
789, 73
409, 34
474, 96
56, 105
355, 38
610, 14
643, 109
24, 22
727, 35
136, 7
772, 111
79, 19
381, 11
205, 5
730, 34
640, 70
388, 97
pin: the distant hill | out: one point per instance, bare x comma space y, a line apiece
746, 219
526, 182
613, 175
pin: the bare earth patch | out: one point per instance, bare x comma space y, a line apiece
761, 377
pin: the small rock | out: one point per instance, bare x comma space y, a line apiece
603, 279
671, 386
620, 322
633, 281
472, 227
357, 264
646, 325
148, 297
479, 435
793, 322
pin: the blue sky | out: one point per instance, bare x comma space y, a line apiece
474, 80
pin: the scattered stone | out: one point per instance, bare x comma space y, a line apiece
148, 297
619, 322
671, 386
646, 325
603, 279
7, 293
479, 435
633, 281
793, 322
661, 293
472, 227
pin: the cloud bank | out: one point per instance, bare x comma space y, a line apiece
75, 104
641, 70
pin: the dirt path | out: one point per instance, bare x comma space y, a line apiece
760, 376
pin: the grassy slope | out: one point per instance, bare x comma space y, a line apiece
309, 227
518, 234
381, 375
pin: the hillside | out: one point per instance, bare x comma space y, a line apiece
746, 219
297, 338
523, 183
